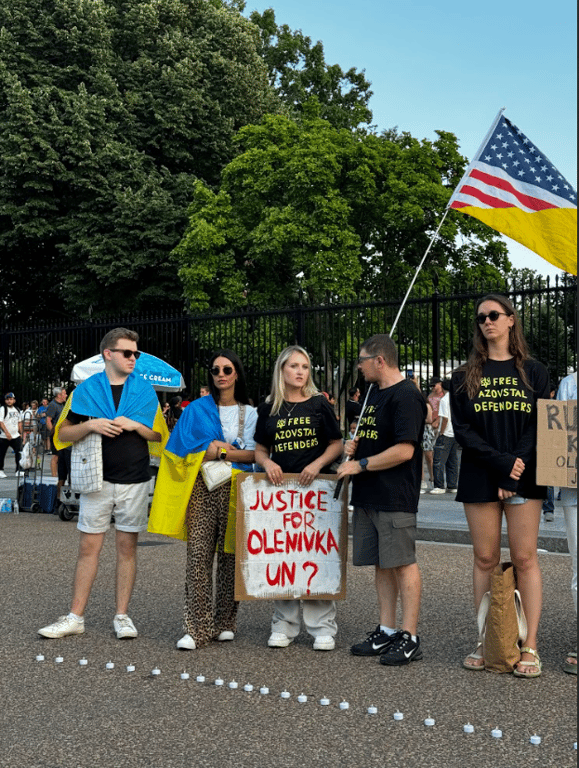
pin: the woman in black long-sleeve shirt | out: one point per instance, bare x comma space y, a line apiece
493, 403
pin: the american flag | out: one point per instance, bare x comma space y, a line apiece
510, 172
512, 187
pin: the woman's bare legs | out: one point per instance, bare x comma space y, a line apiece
484, 522
523, 529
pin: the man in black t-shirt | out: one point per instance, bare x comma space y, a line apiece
125, 487
386, 470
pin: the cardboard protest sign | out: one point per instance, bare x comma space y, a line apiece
292, 541
557, 443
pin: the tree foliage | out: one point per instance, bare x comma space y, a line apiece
311, 210
109, 112
299, 73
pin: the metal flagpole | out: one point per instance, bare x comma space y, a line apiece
435, 235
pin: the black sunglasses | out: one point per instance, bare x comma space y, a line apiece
128, 353
216, 370
492, 316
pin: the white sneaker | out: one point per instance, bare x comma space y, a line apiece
2, 474
65, 625
279, 640
225, 637
124, 627
424, 485
437, 490
186, 643
324, 643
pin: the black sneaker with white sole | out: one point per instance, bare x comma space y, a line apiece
376, 644
401, 651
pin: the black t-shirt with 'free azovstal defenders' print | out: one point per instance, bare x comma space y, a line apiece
298, 434
393, 415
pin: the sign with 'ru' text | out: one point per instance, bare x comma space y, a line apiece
557, 443
292, 540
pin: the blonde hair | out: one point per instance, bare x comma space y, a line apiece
278, 393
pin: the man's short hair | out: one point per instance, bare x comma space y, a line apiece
56, 391
109, 341
381, 344
445, 384
352, 391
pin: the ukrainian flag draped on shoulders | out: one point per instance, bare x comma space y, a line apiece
94, 398
198, 426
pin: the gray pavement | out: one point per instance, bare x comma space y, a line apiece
61, 715
440, 518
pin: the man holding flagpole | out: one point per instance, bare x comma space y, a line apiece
123, 409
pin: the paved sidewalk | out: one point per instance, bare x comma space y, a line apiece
440, 518
71, 716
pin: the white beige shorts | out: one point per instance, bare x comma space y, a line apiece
128, 503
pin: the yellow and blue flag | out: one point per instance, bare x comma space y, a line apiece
512, 186
197, 427
94, 398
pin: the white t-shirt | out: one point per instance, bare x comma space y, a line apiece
29, 420
229, 416
444, 413
11, 420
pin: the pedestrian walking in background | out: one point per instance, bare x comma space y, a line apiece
173, 412
386, 473
431, 427
30, 426
295, 405
353, 406
42, 408
58, 468
494, 414
445, 462
10, 431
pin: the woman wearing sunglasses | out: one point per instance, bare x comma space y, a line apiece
222, 425
493, 402
294, 415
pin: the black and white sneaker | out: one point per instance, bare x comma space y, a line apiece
377, 643
401, 651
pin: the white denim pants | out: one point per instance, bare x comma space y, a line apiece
319, 617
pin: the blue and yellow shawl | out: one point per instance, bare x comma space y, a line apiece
198, 426
139, 402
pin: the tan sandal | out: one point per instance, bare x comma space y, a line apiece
535, 663
568, 666
477, 657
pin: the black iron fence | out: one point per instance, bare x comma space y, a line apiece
434, 335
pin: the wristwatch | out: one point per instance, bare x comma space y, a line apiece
223, 454
363, 465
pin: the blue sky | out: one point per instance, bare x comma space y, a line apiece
452, 66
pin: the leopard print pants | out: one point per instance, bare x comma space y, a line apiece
207, 515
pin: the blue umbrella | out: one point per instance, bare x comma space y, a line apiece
162, 376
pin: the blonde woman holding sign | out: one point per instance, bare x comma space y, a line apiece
297, 432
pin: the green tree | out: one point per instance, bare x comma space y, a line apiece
298, 72
109, 112
308, 210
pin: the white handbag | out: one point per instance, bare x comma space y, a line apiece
218, 472
27, 456
86, 464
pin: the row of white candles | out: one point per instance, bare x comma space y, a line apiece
429, 721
